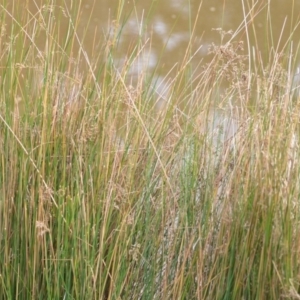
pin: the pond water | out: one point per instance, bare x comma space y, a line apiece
169, 23
168, 27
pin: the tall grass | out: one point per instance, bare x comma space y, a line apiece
106, 196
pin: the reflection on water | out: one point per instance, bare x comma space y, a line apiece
169, 25
158, 33
222, 128
296, 83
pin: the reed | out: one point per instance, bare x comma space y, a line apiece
109, 191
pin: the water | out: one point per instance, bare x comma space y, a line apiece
165, 29
169, 25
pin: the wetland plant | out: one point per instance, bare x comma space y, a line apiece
106, 196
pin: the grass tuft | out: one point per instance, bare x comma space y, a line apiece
111, 191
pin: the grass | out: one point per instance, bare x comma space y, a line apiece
108, 192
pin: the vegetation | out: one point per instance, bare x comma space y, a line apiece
109, 191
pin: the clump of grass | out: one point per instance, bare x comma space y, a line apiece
105, 196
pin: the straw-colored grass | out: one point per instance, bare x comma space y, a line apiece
108, 191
